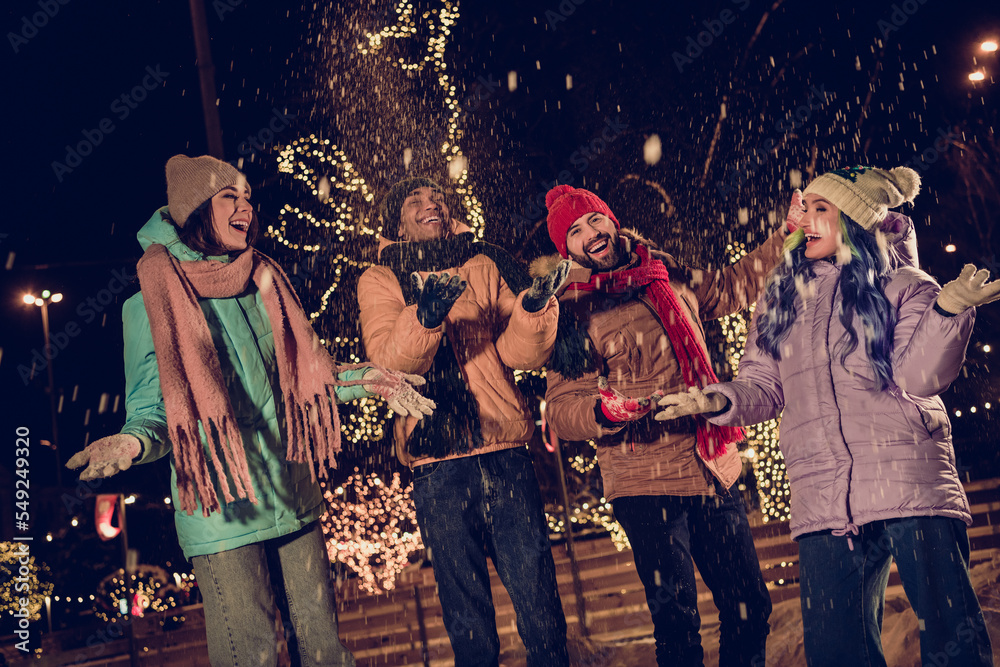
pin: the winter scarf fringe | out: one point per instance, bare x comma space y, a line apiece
696, 369
194, 392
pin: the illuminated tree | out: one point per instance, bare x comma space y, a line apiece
372, 528
22, 580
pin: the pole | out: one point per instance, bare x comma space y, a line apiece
422, 627
128, 619
206, 75
574, 568
52, 391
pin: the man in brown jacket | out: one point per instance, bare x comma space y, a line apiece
669, 482
464, 313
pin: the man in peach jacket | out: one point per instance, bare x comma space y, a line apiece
463, 313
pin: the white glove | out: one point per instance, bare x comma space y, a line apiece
968, 290
692, 402
106, 456
398, 391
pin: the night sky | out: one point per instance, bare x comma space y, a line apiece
805, 85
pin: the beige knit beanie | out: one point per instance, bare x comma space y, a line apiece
865, 193
192, 181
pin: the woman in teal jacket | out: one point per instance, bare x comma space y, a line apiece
225, 374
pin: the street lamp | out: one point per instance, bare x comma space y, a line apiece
43, 302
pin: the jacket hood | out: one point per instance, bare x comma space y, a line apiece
160, 230
901, 241
457, 227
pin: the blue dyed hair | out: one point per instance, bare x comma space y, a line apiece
861, 285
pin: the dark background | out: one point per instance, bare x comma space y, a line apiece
892, 78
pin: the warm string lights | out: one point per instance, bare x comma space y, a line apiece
371, 527
762, 439
438, 23
148, 588
347, 203
22, 580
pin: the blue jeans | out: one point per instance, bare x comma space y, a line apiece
843, 593
241, 586
489, 504
671, 534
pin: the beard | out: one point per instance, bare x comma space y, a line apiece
602, 264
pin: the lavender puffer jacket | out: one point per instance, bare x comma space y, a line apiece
853, 454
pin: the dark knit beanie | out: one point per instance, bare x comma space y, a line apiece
566, 204
392, 205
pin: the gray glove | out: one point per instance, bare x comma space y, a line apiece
437, 295
692, 402
968, 290
106, 456
544, 287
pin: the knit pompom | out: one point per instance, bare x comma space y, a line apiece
908, 182
555, 193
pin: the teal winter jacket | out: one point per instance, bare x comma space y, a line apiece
287, 497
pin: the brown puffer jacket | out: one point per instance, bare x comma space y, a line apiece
490, 333
647, 457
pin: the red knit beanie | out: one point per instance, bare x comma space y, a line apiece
566, 204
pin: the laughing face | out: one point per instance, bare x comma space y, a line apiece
231, 215
424, 216
592, 241
822, 227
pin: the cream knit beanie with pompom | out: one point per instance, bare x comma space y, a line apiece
866, 193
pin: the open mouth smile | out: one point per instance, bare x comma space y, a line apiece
599, 247
240, 226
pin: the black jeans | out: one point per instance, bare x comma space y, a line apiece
671, 534
843, 593
489, 504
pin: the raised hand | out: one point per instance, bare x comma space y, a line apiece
795, 212
968, 290
398, 391
544, 287
692, 402
620, 408
106, 456
437, 295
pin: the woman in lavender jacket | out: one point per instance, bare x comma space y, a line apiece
852, 344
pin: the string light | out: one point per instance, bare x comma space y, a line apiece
762, 453
372, 528
15, 584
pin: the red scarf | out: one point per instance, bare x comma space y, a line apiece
696, 369
194, 392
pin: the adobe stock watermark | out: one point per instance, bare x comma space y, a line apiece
88, 311
122, 106
901, 13
923, 160
562, 13
223, 7
31, 25
761, 153
713, 28
279, 122
581, 158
